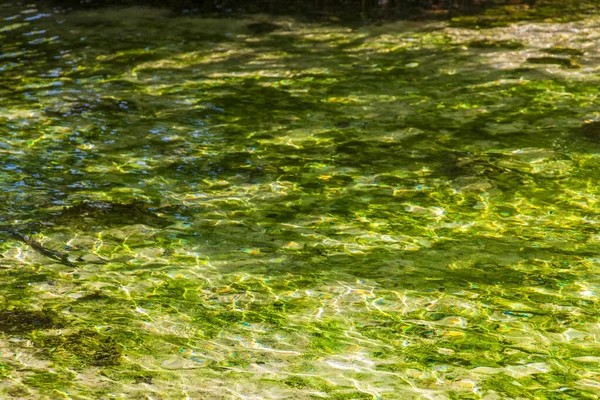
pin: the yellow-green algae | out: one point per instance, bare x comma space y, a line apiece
399, 211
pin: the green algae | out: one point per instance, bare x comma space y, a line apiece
327, 337
20, 321
81, 349
49, 383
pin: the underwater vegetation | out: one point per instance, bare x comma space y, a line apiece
268, 207
85, 348
19, 321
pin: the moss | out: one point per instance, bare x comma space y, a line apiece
82, 348
21, 321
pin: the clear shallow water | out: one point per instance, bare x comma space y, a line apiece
404, 211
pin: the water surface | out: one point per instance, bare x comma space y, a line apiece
405, 211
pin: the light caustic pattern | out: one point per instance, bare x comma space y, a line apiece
400, 211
